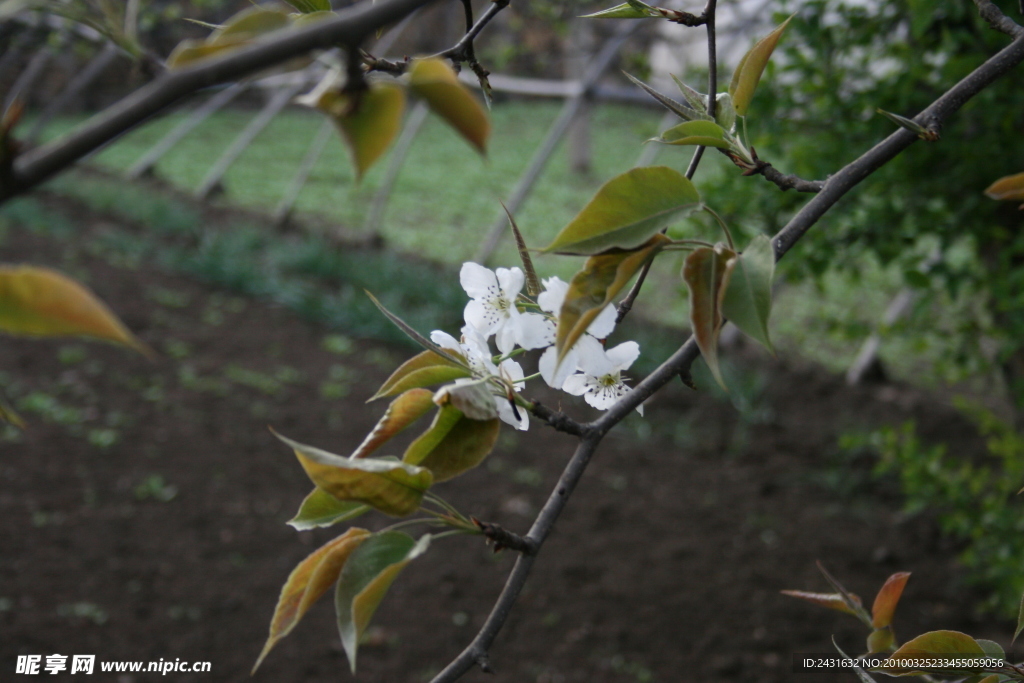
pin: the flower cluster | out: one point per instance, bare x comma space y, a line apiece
497, 308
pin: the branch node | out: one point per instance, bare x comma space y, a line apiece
502, 538
484, 663
557, 420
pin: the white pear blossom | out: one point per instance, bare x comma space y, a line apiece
551, 300
492, 309
473, 347
601, 383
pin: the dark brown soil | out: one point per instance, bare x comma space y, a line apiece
142, 514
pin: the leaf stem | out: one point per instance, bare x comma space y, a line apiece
725, 228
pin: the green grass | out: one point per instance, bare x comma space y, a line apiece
446, 195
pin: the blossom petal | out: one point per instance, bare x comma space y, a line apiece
553, 296
511, 282
505, 338
623, 355
446, 341
604, 324
605, 397
593, 359
481, 317
547, 363
508, 415
535, 331
479, 282
513, 372
577, 385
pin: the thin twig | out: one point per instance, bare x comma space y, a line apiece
836, 187
350, 27
999, 21
626, 305
785, 182
460, 50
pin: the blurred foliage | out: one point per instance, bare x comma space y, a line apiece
816, 112
975, 499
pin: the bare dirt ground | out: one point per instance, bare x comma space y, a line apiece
142, 514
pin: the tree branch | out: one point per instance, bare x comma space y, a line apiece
349, 28
835, 188
785, 182
999, 21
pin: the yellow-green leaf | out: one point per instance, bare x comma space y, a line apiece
705, 133
393, 487
436, 82
1010, 187
706, 273
310, 6
830, 600
1020, 615
881, 640
421, 370
307, 582
887, 599
952, 643
248, 24
747, 300
43, 303
403, 411
748, 73
626, 10
453, 444
321, 509
592, 288
369, 121
365, 580
188, 52
627, 211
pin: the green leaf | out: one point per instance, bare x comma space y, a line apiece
307, 582
725, 112
627, 211
422, 370
747, 302
706, 133
953, 643
416, 336
40, 302
887, 599
365, 580
453, 444
308, 6
627, 10
321, 509
1009, 187
706, 273
992, 648
592, 288
911, 125
696, 100
829, 600
748, 73
395, 488
369, 120
680, 110
410, 406
434, 81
